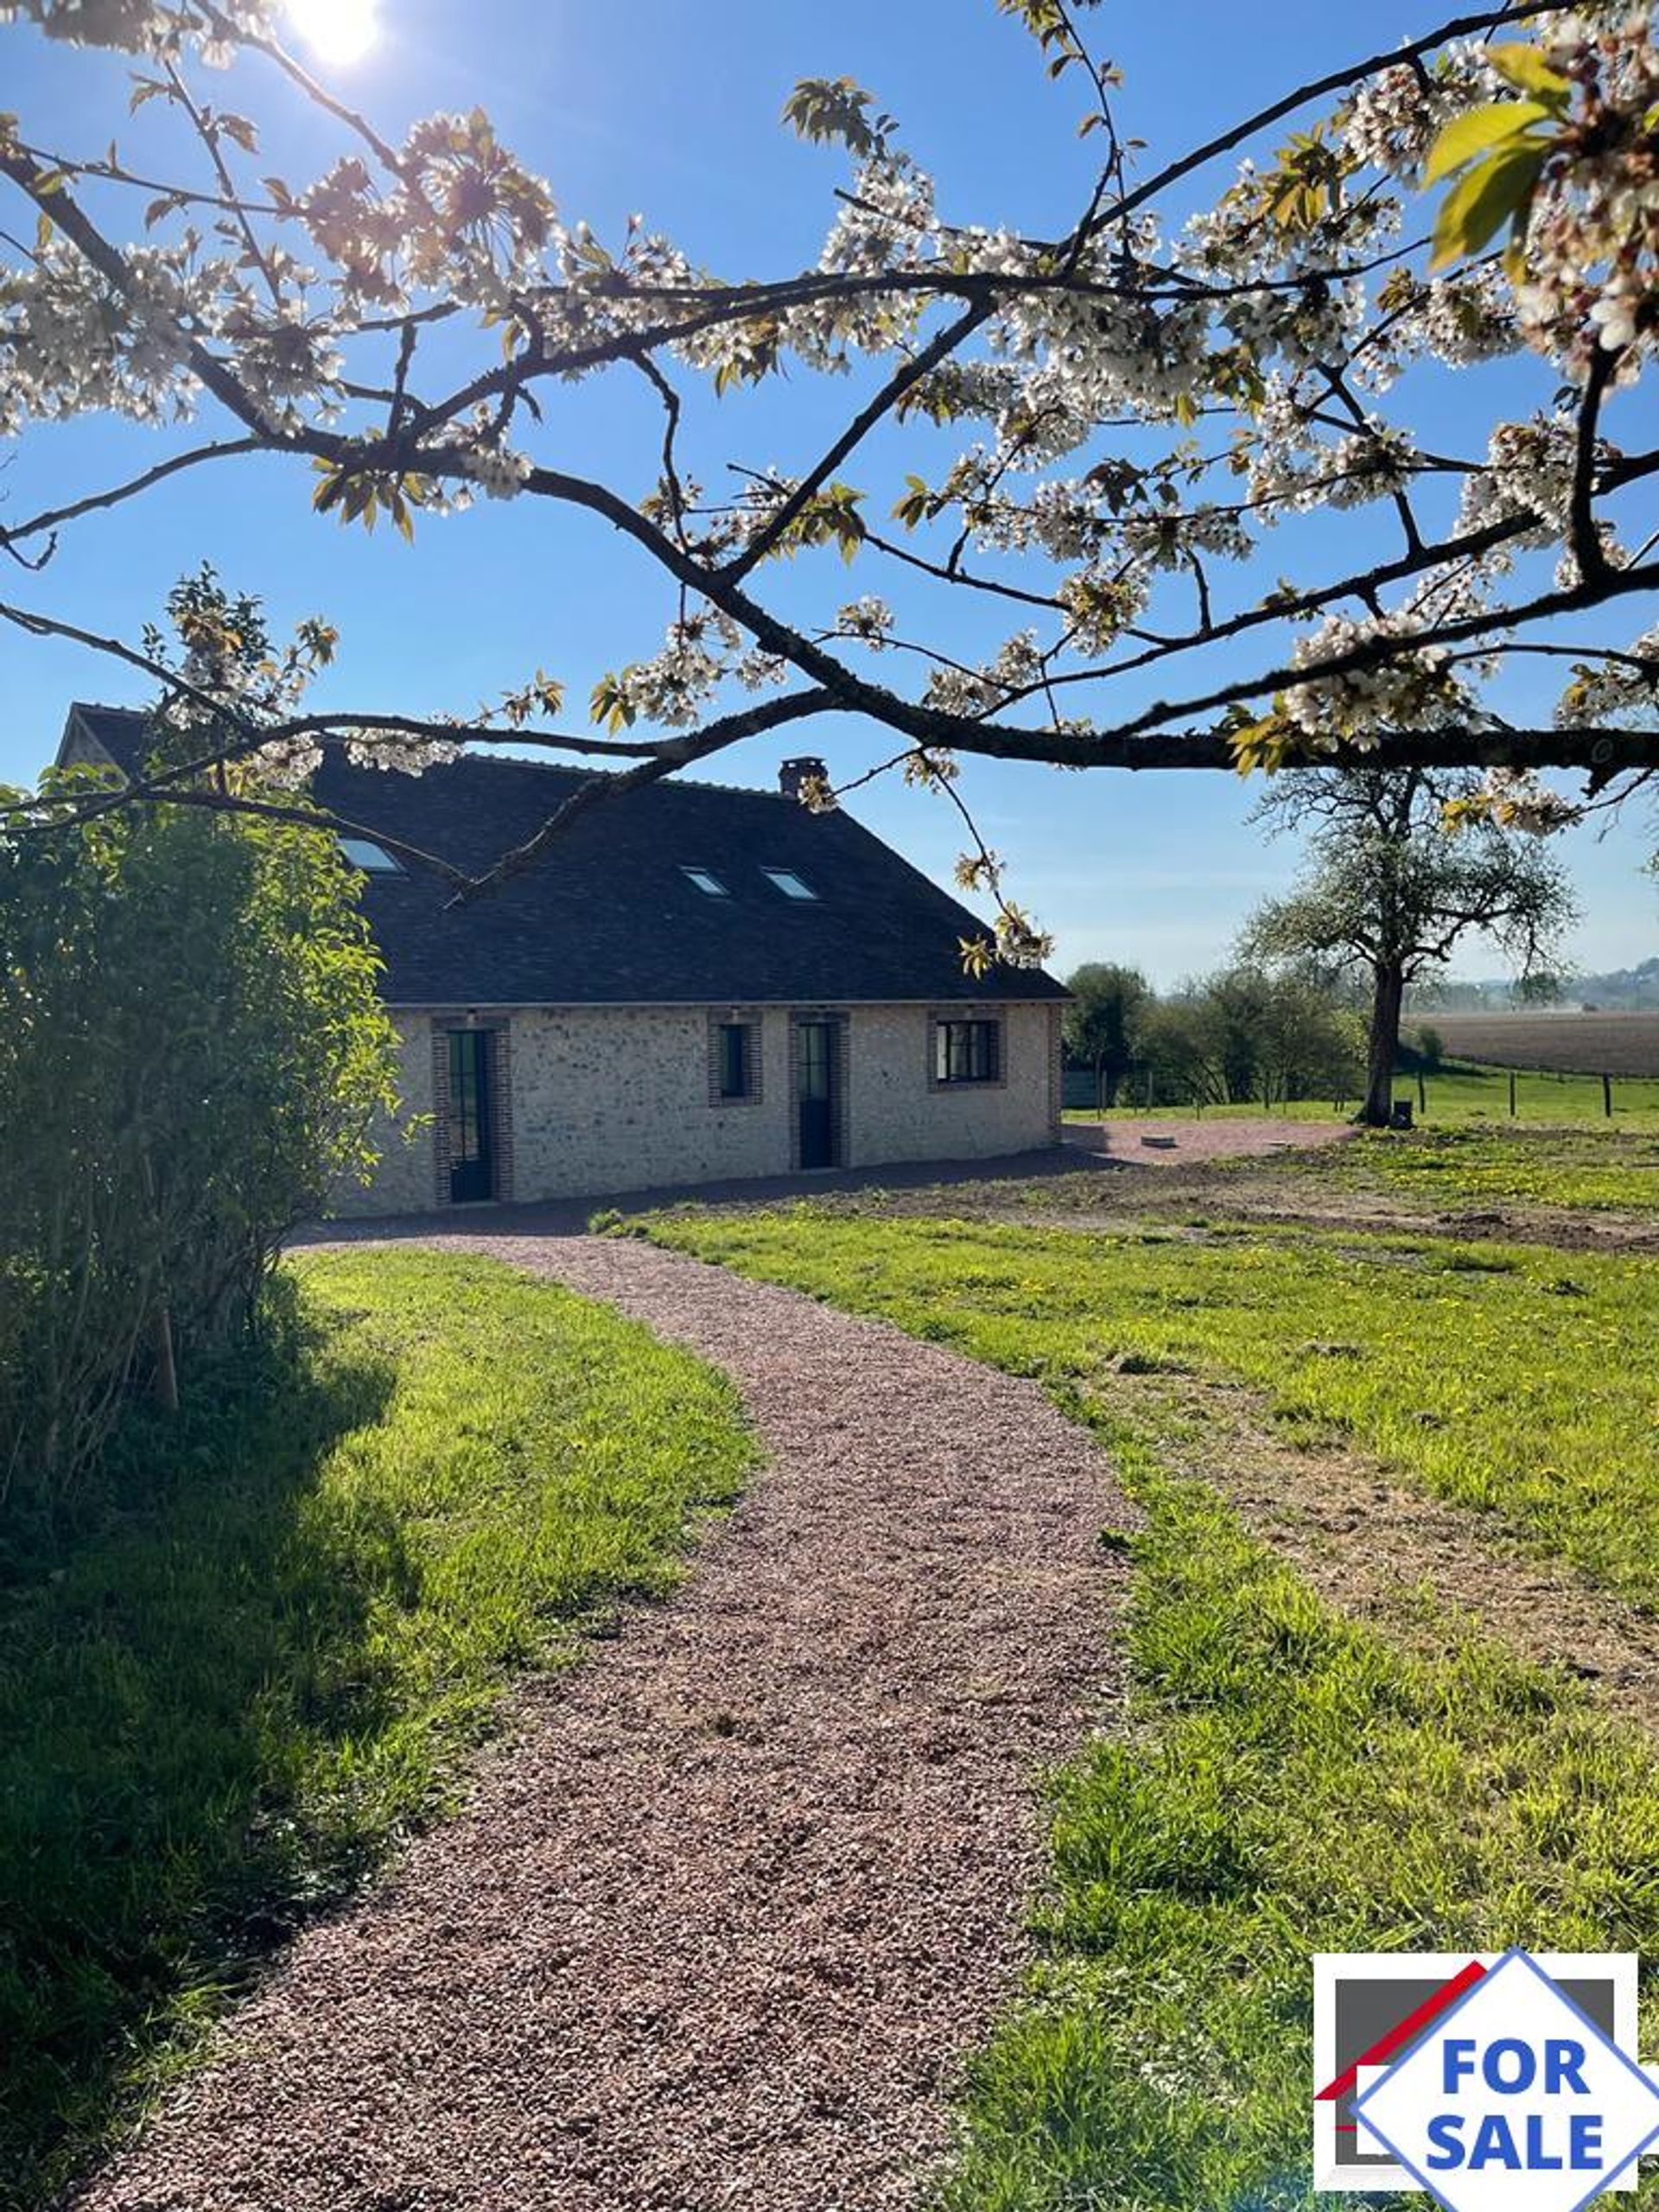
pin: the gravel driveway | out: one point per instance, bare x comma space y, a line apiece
731, 1903
1157, 1141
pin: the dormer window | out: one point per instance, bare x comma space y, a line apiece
786, 880
372, 859
711, 885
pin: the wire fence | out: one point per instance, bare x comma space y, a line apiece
1451, 1093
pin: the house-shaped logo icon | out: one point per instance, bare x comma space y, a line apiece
1488, 2080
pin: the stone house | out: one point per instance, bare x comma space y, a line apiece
698, 983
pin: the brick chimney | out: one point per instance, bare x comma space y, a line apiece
793, 775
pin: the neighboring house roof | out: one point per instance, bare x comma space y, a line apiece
611, 916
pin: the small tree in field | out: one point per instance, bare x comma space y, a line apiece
1311, 1043
1389, 891
1104, 1021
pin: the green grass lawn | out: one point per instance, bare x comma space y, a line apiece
1460, 1093
1509, 1378
1288, 1781
255, 1663
1587, 1170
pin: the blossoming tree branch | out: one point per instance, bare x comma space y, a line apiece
1144, 408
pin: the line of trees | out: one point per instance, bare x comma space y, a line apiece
1242, 1035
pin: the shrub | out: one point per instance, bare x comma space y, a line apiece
191, 1048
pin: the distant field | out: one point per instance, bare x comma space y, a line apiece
1586, 1044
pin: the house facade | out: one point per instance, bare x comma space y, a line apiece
697, 983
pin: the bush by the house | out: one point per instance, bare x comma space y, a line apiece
191, 1051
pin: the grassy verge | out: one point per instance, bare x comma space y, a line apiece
1288, 1781
254, 1662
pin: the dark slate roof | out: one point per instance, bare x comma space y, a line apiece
610, 918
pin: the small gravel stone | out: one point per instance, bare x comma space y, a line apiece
729, 1903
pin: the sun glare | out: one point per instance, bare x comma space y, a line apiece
337, 31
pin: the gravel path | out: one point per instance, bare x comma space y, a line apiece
725, 1911
1158, 1141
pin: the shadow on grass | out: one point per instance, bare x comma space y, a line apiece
169, 1665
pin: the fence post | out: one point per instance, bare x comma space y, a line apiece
1512, 1094
1422, 1094
1607, 1096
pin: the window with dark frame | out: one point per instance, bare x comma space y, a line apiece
735, 1059
967, 1051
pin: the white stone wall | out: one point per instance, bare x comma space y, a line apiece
617, 1098
893, 1113
403, 1182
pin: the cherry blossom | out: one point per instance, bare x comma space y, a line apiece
1088, 434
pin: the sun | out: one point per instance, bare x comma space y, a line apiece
337, 31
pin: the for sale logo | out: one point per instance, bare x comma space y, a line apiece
1507, 2080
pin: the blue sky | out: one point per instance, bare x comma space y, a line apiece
672, 108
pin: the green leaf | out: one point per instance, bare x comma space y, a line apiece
824, 108
917, 504
1487, 198
1525, 69
1465, 136
610, 704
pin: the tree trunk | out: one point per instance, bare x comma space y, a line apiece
1387, 997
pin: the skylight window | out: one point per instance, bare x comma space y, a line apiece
789, 883
373, 858
711, 885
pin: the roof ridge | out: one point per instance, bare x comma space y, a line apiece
514, 760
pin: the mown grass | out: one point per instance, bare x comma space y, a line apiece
1288, 1781
1578, 1169
254, 1661
1509, 1378
1458, 1092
